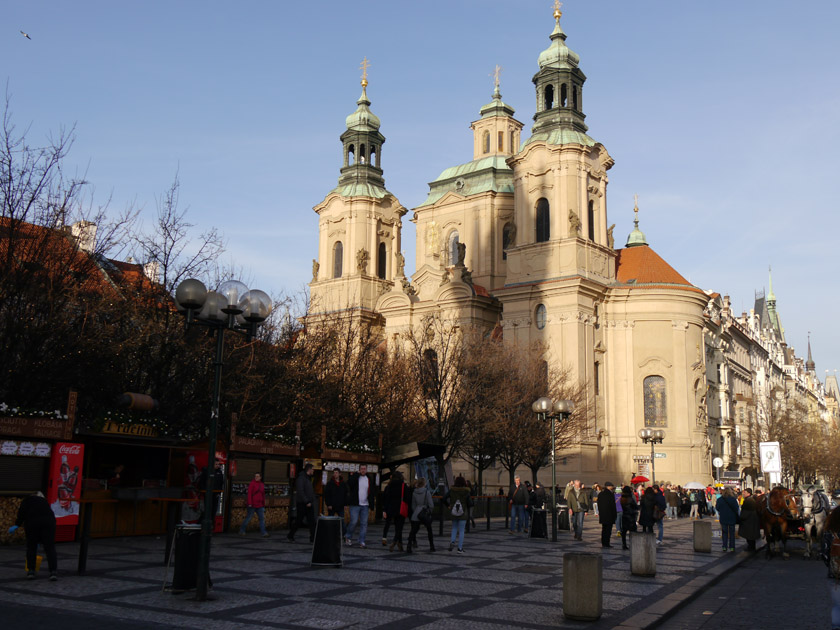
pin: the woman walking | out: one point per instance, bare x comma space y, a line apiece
629, 511
749, 528
648, 503
421, 514
256, 503
395, 494
728, 512
458, 501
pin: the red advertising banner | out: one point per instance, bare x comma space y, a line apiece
65, 482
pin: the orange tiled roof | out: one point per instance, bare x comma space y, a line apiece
641, 265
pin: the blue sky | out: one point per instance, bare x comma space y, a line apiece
722, 116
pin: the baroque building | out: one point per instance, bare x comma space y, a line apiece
518, 240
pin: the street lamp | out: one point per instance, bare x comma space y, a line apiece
654, 436
231, 307
553, 409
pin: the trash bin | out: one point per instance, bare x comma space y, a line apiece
563, 521
187, 542
326, 551
538, 524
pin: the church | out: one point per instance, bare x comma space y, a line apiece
518, 240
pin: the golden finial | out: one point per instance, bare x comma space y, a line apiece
636, 209
557, 12
364, 67
497, 72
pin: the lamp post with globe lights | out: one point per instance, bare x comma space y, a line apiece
232, 307
654, 436
553, 410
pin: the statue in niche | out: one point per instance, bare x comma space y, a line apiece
462, 253
574, 221
610, 237
400, 264
362, 260
315, 268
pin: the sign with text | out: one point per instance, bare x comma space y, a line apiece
36, 428
25, 449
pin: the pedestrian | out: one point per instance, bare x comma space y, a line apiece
606, 512
395, 495
646, 508
517, 502
596, 490
619, 517
422, 505
749, 528
577, 507
304, 504
473, 494
629, 512
501, 491
38, 520
335, 497
529, 507
830, 552
389, 520
539, 528
255, 503
672, 499
458, 500
361, 496
659, 513
728, 512
694, 499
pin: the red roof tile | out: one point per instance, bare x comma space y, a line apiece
642, 265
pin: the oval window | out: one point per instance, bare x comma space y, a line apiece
539, 316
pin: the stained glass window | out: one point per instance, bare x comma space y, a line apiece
656, 409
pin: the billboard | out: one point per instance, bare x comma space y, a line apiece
771, 457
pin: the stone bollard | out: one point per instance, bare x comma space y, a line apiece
643, 554
703, 536
583, 586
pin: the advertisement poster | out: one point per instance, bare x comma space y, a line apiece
771, 457
65, 482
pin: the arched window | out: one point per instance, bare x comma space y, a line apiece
540, 316
374, 155
430, 372
575, 98
656, 408
382, 261
452, 247
485, 142
563, 95
549, 96
507, 239
591, 219
362, 154
338, 259
543, 221
351, 154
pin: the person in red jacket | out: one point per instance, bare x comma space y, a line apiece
256, 503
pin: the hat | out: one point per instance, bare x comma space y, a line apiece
609, 484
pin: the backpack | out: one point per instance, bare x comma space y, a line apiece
693, 497
457, 508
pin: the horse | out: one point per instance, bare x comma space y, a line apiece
815, 509
774, 510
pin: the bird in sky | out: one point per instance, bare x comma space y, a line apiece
26, 35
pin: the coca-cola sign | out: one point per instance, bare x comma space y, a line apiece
70, 449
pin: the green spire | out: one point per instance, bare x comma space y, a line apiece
496, 107
771, 297
636, 237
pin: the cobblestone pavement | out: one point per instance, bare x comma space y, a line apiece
501, 581
761, 594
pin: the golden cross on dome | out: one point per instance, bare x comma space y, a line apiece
496, 74
364, 68
557, 12
636, 202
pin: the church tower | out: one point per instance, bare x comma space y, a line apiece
563, 260
359, 223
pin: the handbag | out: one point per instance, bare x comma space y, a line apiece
403, 504
425, 515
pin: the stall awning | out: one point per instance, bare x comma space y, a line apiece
412, 451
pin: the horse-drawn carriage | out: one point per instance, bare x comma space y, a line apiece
785, 514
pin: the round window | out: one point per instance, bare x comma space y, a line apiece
539, 316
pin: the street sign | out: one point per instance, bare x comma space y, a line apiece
660, 455
717, 462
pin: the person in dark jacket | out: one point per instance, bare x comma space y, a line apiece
727, 509
459, 493
607, 513
518, 501
629, 512
659, 513
394, 496
749, 528
335, 497
305, 503
37, 518
646, 507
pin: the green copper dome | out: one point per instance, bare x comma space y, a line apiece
558, 55
496, 107
636, 237
363, 119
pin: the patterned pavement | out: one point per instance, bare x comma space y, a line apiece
501, 581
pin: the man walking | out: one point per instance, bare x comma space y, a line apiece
361, 497
518, 501
335, 497
305, 504
607, 512
576, 508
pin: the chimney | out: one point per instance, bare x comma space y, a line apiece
85, 234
